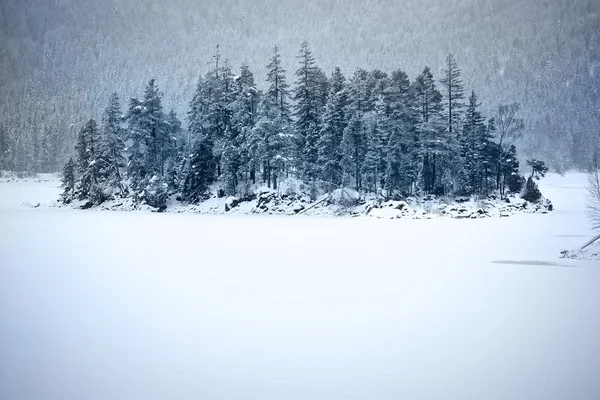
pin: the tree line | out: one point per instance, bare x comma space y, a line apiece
375, 132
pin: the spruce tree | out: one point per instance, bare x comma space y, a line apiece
278, 92
429, 128
402, 161
378, 129
473, 142
68, 181
199, 170
111, 160
454, 93
332, 132
86, 148
154, 129
306, 113
138, 149
354, 147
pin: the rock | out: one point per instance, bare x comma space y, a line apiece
231, 202
504, 214
298, 208
264, 199
345, 197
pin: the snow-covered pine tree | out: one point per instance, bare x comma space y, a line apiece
273, 133
448, 157
111, 159
306, 111
68, 181
175, 151
429, 128
154, 129
473, 142
237, 154
332, 132
86, 148
454, 92
199, 164
402, 161
137, 145
199, 170
278, 92
354, 147
378, 132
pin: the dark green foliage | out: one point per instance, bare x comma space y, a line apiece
307, 111
538, 168
68, 181
111, 160
332, 132
87, 165
199, 171
532, 193
515, 183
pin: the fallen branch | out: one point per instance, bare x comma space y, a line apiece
321, 200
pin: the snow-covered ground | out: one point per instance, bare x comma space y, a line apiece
118, 305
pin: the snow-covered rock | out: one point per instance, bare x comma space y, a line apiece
345, 197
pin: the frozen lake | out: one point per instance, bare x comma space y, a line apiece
113, 305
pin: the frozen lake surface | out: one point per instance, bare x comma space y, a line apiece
115, 305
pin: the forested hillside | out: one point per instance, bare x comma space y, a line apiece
61, 59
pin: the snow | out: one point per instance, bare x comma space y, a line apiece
130, 305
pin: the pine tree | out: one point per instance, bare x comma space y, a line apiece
273, 137
332, 132
87, 141
473, 142
454, 93
278, 92
175, 150
138, 148
429, 128
199, 170
244, 112
402, 161
111, 160
378, 129
354, 147
306, 113
154, 129
199, 164
68, 181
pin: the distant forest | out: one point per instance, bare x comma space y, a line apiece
60, 60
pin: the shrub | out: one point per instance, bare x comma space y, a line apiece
532, 193
515, 183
